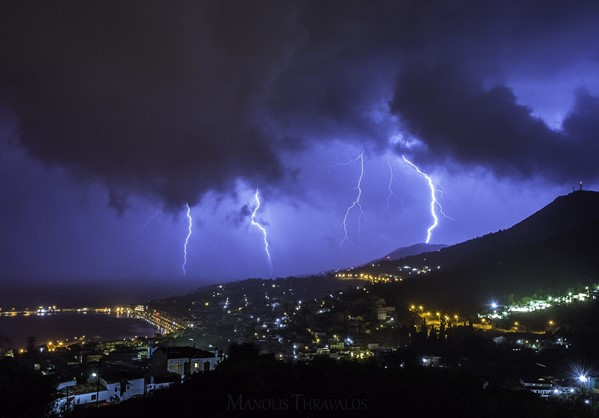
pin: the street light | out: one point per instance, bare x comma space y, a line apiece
585, 382
581, 375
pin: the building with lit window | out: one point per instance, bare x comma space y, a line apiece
183, 361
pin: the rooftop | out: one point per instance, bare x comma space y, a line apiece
186, 352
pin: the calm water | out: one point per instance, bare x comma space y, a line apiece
69, 325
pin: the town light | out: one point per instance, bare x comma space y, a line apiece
582, 376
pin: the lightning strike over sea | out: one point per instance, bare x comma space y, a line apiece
261, 228
356, 202
187, 238
434, 202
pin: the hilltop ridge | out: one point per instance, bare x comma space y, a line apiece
554, 248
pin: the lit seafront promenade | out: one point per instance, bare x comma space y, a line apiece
164, 323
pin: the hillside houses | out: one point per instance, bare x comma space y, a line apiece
167, 366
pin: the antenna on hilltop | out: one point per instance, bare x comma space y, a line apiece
581, 186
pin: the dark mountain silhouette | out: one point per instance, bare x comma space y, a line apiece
415, 249
562, 216
551, 250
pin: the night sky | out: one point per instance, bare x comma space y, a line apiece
116, 114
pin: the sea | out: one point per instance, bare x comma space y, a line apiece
15, 330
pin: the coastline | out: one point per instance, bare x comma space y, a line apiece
71, 326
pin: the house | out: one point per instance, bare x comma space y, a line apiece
539, 385
75, 395
161, 382
123, 385
183, 361
109, 388
124, 354
384, 313
431, 361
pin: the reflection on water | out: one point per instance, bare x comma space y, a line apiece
64, 326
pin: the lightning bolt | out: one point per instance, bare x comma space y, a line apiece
187, 238
391, 192
443, 213
150, 219
434, 202
261, 228
442, 191
356, 202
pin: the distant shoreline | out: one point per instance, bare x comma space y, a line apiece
69, 327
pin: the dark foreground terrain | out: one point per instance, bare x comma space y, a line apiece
248, 384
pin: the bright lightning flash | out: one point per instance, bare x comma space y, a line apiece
261, 228
434, 202
187, 238
356, 202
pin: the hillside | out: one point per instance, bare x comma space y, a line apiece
553, 249
564, 214
415, 249
293, 288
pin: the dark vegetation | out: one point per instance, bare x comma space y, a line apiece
270, 388
24, 393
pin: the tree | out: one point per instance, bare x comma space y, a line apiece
31, 343
24, 392
5, 344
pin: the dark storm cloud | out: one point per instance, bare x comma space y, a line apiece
155, 98
240, 217
174, 100
170, 100
457, 118
117, 202
453, 96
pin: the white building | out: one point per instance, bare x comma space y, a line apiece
122, 386
160, 382
183, 361
110, 388
76, 395
540, 386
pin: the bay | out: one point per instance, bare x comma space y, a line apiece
62, 326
